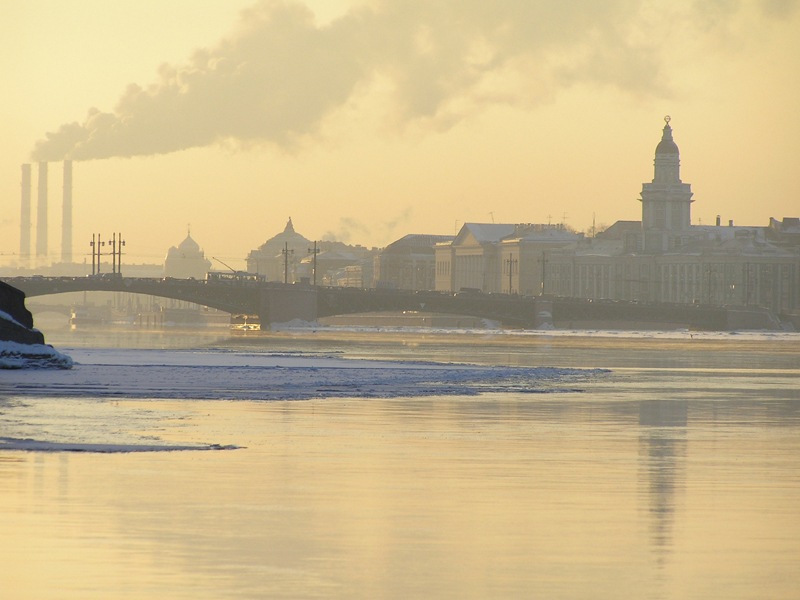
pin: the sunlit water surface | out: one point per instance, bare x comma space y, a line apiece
674, 476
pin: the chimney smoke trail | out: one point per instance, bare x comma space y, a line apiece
278, 76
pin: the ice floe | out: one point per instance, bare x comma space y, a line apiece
220, 374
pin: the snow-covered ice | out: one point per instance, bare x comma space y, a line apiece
220, 374
32, 356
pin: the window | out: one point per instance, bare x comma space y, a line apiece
659, 215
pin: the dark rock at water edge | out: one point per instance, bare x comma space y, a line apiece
16, 321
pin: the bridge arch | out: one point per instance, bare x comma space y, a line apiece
278, 302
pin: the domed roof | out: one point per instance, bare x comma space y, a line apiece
667, 145
274, 245
189, 245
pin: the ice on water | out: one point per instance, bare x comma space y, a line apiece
32, 356
229, 375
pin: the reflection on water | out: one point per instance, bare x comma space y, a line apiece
653, 483
662, 440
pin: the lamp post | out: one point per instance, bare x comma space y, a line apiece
510, 262
543, 260
113, 243
96, 244
315, 250
120, 244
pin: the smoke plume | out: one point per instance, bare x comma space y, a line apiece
279, 74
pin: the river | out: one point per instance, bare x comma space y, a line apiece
643, 466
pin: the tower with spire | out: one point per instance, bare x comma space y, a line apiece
666, 201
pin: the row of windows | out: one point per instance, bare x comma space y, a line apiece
723, 283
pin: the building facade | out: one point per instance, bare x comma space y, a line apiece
664, 258
504, 258
277, 258
472, 260
186, 261
409, 263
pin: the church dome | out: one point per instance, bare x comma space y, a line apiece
667, 145
189, 245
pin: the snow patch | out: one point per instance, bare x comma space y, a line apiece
32, 356
8, 317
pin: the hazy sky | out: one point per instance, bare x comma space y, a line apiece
369, 120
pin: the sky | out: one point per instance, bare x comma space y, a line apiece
367, 120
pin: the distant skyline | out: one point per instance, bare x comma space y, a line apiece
366, 121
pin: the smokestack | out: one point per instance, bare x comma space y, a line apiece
719, 221
41, 213
25, 215
66, 215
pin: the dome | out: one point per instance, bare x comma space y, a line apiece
667, 145
189, 245
275, 244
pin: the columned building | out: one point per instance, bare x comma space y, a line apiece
472, 260
502, 257
662, 258
524, 258
665, 258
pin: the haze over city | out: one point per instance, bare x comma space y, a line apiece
364, 121
408, 299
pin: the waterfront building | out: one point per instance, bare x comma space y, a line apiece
328, 262
409, 263
186, 261
358, 275
472, 260
269, 259
665, 258
497, 257
523, 257
662, 258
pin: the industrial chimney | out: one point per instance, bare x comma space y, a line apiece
25, 215
66, 215
41, 213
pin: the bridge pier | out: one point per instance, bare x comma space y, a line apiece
287, 302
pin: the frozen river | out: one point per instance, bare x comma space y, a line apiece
404, 465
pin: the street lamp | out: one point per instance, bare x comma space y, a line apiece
95, 244
511, 262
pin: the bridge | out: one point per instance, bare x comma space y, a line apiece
278, 303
